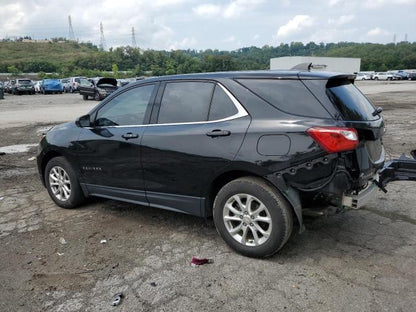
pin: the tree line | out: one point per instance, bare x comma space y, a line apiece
128, 61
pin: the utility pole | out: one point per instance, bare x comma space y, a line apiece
71, 35
405, 37
133, 38
102, 39
394, 39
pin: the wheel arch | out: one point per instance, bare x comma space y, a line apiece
46, 158
290, 195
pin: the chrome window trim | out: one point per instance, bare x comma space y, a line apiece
241, 112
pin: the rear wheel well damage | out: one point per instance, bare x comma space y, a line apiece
291, 195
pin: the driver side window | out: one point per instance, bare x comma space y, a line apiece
127, 109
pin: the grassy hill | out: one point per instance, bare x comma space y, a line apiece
71, 58
43, 51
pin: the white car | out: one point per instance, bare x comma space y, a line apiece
362, 76
37, 86
383, 76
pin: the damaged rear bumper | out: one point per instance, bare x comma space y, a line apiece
402, 169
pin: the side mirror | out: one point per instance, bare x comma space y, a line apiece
83, 121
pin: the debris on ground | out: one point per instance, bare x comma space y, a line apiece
60, 254
200, 261
1, 198
117, 299
32, 158
103, 241
153, 284
62, 241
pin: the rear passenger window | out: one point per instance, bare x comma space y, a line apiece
221, 105
290, 96
185, 102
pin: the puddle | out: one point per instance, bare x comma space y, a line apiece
20, 148
40, 131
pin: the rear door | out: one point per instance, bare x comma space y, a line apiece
198, 128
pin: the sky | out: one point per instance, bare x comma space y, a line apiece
211, 24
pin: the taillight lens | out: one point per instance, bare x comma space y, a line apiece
335, 139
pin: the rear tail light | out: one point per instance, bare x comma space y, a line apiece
335, 139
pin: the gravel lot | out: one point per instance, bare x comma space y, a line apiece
52, 258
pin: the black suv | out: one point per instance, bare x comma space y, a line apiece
255, 150
20, 86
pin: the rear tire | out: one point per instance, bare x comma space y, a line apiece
97, 96
253, 217
85, 97
62, 183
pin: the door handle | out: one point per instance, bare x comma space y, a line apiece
218, 132
130, 135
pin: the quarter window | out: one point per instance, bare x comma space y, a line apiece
221, 105
185, 102
128, 108
290, 96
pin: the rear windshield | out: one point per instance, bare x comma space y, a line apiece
24, 82
350, 102
290, 96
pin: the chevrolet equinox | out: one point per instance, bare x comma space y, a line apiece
254, 150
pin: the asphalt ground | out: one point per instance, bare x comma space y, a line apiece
52, 259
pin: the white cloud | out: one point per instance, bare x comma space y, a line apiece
229, 39
231, 10
377, 32
207, 10
295, 25
342, 20
185, 43
372, 4
334, 2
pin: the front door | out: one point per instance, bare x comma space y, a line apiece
109, 151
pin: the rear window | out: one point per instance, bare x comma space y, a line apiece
350, 102
24, 82
290, 96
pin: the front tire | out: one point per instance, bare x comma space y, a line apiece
62, 183
252, 217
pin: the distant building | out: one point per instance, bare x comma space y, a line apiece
333, 64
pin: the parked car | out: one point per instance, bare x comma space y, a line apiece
21, 86
97, 88
412, 76
37, 86
362, 76
383, 76
74, 84
403, 75
7, 85
66, 84
252, 149
50, 86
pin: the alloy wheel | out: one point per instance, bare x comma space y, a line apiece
247, 220
60, 183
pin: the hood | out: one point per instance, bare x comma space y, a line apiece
106, 81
